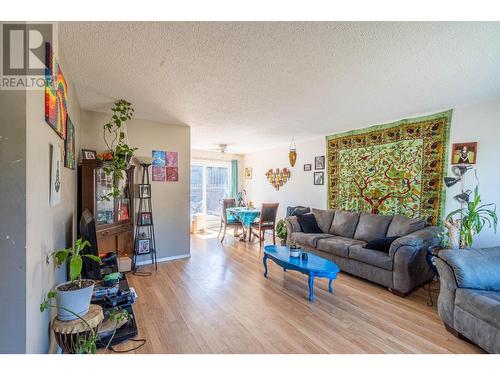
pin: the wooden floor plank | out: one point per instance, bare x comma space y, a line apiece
218, 301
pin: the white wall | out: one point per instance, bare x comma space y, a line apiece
299, 190
47, 228
170, 200
477, 122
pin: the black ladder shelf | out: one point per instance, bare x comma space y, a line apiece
144, 229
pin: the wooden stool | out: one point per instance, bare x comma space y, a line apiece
67, 332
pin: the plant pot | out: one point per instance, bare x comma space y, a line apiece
77, 300
295, 253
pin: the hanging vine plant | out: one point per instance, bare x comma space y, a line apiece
120, 153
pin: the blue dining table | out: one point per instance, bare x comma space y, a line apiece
245, 215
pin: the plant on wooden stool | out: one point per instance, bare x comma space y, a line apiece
281, 231
76, 293
120, 153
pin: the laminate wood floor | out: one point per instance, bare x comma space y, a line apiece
218, 301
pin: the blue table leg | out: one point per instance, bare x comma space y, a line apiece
330, 289
311, 287
264, 260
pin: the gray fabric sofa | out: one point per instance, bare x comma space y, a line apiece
345, 235
469, 299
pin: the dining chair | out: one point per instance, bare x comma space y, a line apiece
228, 220
267, 221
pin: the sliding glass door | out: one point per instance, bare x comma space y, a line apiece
210, 183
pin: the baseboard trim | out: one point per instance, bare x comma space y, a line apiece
166, 259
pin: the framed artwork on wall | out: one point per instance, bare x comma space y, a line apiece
307, 167
69, 145
319, 162
319, 178
56, 91
464, 153
55, 175
248, 173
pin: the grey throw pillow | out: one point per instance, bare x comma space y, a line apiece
324, 218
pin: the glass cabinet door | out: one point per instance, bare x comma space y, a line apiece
105, 209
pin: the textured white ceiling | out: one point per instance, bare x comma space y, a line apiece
254, 85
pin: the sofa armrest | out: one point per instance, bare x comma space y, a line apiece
474, 268
448, 288
419, 240
292, 225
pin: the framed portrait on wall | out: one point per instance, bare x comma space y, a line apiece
307, 167
319, 178
464, 153
319, 162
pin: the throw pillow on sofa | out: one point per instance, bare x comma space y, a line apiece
308, 223
381, 244
324, 218
344, 223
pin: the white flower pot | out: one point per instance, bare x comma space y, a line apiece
77, 300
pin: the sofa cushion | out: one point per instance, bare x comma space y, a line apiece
402, 225
337, 245
484, 305
308, 223
373, 257
372, 226
308, 239
344, 223
324, 218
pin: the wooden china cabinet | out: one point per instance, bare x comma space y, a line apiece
114, 218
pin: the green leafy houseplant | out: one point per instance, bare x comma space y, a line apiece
474, 216
281, 231
74, 295
74, 258
115, 138
86, 344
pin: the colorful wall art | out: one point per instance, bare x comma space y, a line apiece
69, 145
395, 168
165, 166
278, 177
56, 91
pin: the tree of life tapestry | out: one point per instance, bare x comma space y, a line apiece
395, 168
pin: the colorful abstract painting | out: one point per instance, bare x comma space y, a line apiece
69, 145
56, 91
395, 168
159, 158
172, 174
171, 159
159, 173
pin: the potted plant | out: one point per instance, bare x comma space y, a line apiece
74, 295
294, 249
119, 155
473, 216
281, 231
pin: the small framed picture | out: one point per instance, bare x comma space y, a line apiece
144, 191
307, 167
319, 162
143, 246
464, 153
319, 178
146, 218
89, 154
248, 173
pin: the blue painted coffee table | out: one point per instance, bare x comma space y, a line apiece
314, 266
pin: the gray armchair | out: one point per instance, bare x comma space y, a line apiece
469, 299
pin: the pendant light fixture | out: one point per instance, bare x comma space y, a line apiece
292, 154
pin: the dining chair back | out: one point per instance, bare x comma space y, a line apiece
267, 221
225, 221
